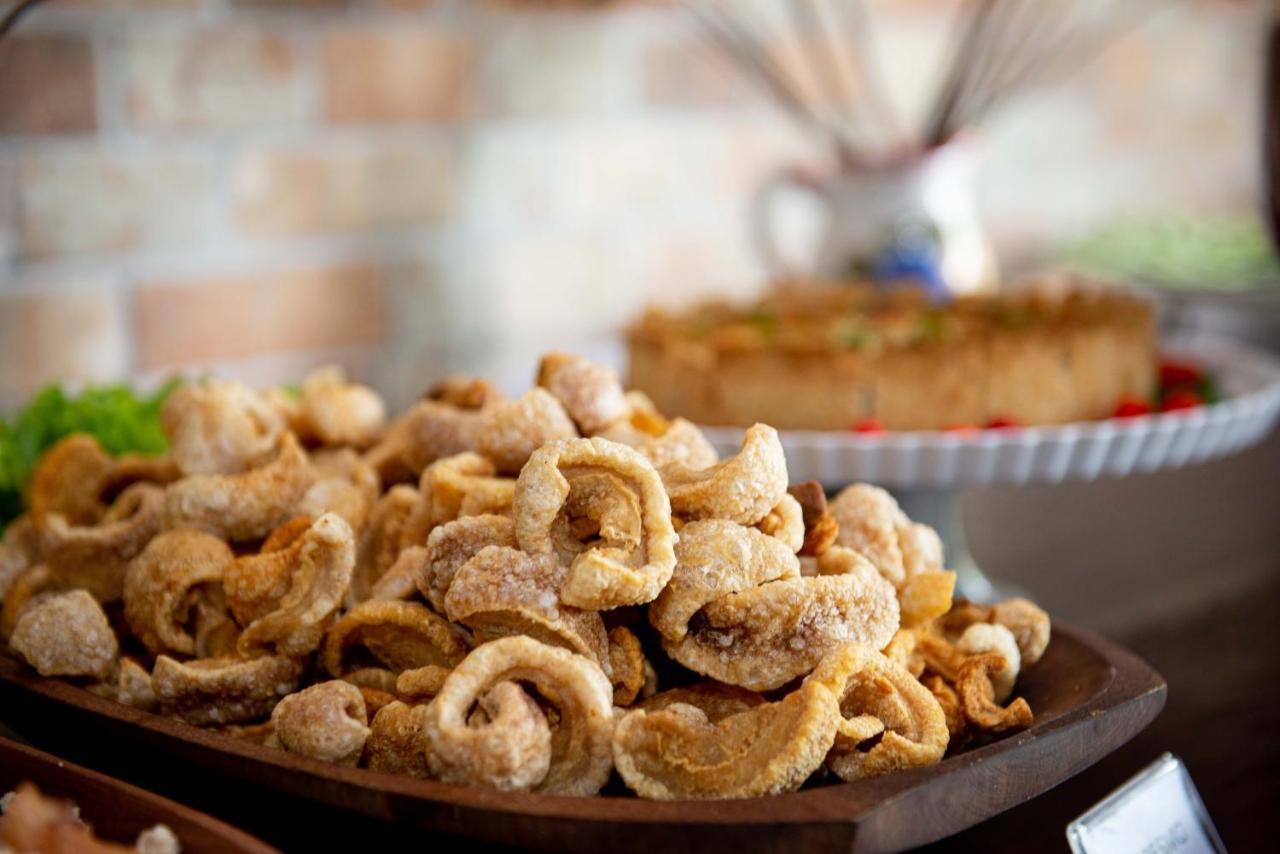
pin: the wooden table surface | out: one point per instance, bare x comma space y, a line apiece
1182, 567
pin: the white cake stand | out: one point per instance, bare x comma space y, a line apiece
927, 470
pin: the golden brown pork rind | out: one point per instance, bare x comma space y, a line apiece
132, 685
19, 550
430, 431
591, 394
507, 742
344, 484
682, 444
401, 580
868, 684
871, 522
460, 749
319, 581
337, 412
993, 638
715, 557
219, 427
766, 636
975, 688
34, 822
510, 432
66, 634
454, 488
382, 539
742, 489
820, 527
68, 480
785, 522
94, 557
30, 585
327, 721
255, 583
397, 741
223, 690
465, 392
926, 596
245, 506
396, 635
677, 752
627, 664
599, 508
163, 583
1029, 623
453, 544
716, 700
421, 684
503, 591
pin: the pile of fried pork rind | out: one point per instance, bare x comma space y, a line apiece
525, 594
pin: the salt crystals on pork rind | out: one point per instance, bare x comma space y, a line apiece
223, 690
467, 748
163, 583
510, 432
678, 752
453, 544
599, 508
244, 506
591, 393
318, 583
94, 557
396, 635
872, 523
742, 489
503, 591
867, 684
66, 634
219, 427
327, 721
337, 412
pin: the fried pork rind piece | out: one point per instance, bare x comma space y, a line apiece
714, 558
382, 539
337, 412
223, 690
715, 699
32, 822
993, 638
465, 392
394, 635
785, 522
421, 684
165, 584
975, 686
219, 427
68, 479
663, 442
599, 508
742, 489
591, 394
66, 634
820, 528
19, 550
430, 431
133, 685
456, 487
870, 685
628, 665
255, 583
1028, 622
397, 741
319, 580
245, 506
510, 432
327, 721
926, 596
344, 484
453, 544
400, 582
466, 748
503, 591
678, 751
29, 587
872, 523
94, 557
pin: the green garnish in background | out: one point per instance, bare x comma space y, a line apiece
121, 420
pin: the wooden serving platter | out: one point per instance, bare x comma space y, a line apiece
1089, 696
117, 811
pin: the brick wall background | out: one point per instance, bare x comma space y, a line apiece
407, 186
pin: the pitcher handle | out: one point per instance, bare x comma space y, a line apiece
762, 210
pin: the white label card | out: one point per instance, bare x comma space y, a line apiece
1157, 812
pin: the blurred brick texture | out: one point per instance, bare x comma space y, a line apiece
413, 186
